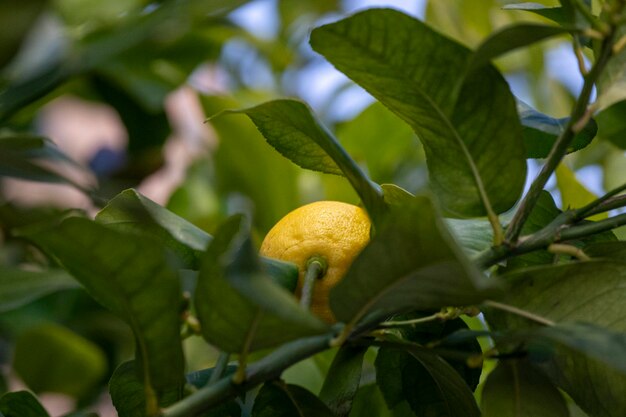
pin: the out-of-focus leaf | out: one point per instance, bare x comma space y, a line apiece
50, 358
258, 172
21, 404
556, 14
425, 381
422, 77
130, 275
16, 18
583, 291
612, 250
411, 263
381, 140
510, 38
238, 304
292, 129
19, 286
277, 399
573, 193
21, 156
517, 389
541, 131
342, 380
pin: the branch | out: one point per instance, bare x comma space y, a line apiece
592, 208
555, 232
580, 112
268, 368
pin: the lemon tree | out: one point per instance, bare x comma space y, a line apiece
392, 264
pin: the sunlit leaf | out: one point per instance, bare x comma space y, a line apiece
573, 193
292, 129
421, 76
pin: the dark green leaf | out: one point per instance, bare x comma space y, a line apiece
421, 76
517, 389
21, 404
437, 332
541, 131
272, 185
612, 250
238, 305
510, 38
582, 291
412, 263
131, 212
290, 127
425, 381
343, 379
277, 399
611, 122
19, 287
50, 358
16, 19
127, 391
130, 275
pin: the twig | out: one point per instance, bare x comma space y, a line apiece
220, 367
569, 250
590, 208
519, 312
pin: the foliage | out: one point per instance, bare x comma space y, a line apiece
475, 295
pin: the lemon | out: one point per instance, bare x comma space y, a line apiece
332, 230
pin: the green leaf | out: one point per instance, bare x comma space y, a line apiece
21, 404
425, 381
343, 379
583, 291
541, 131
127, 391
556, 14
517, 389
437, 332
611, 250
277, 399
510, 38
262, 175
422, 77
129, 275
20, 156
573, 193
16, 19
291, 128
238, 305
50, 358
19, 287
411, 263
385, 143
132, 212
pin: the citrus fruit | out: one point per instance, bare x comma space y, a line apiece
331, 230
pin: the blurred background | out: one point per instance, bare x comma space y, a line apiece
109, 95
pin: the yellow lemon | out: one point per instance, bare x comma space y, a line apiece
332, 230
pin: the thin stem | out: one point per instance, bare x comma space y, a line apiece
569, 250
400, 323
240, 374
610, 204
560, 146
584, 211
220, 367
519, 312
315, 270
589, 17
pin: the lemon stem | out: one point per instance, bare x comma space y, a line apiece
316, 269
